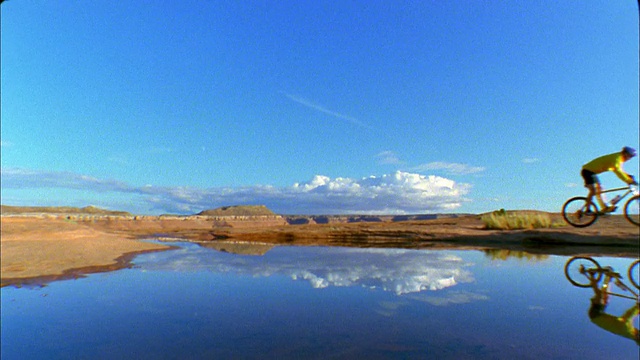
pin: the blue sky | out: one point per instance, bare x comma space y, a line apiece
314, 106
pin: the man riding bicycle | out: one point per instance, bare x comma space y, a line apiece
612, 162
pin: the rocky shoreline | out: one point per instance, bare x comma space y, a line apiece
40, 246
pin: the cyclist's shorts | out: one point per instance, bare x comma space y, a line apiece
589, 177
596, 310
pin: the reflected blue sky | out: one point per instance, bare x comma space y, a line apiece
314, 302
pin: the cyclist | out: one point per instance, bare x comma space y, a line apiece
612, 162
622, 325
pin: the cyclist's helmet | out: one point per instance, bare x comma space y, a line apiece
629, 151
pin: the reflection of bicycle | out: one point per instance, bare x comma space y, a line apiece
584, 272
576, 213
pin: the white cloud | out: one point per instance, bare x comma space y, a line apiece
530, 160
400, 192
397, 193
450, 168
6, 144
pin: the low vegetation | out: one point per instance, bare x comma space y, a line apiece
514, 220
505, 254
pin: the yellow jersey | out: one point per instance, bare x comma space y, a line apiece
612, 162
617, 325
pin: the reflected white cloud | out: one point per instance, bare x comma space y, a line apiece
393, 270
454, 297
389, 308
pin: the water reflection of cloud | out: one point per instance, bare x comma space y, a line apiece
395, 270
388, 308
453, 297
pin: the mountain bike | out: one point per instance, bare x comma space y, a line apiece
576, 213
583, 271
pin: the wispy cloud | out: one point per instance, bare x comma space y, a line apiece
6, 144
15, 178
388, 157
160, 150
397, 193
530, 160
320, 108
120, 160
449, 168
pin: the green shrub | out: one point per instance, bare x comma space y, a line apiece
504, 254
503, 220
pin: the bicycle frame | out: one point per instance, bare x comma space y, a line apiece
617, 279
630, 189
621, 285
580, 211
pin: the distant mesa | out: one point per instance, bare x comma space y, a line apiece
7, 209
418, 217
240, 210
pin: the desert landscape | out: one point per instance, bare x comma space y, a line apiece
39, 245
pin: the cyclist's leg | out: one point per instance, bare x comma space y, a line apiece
599, 196
593, 185
592, 191
630, 315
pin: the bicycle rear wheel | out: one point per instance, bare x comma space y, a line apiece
632, 210
581, 270
575, 212
634, 273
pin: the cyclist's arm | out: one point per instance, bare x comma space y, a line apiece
623, 175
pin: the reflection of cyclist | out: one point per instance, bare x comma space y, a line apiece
619, 325
612, 162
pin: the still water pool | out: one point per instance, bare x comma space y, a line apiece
317, 302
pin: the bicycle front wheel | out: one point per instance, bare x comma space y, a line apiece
582, 270
634, 273
575, 212
632, 210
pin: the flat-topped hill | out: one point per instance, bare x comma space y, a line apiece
8, 210
240, 210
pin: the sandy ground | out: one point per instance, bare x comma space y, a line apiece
40, 249
44, 250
